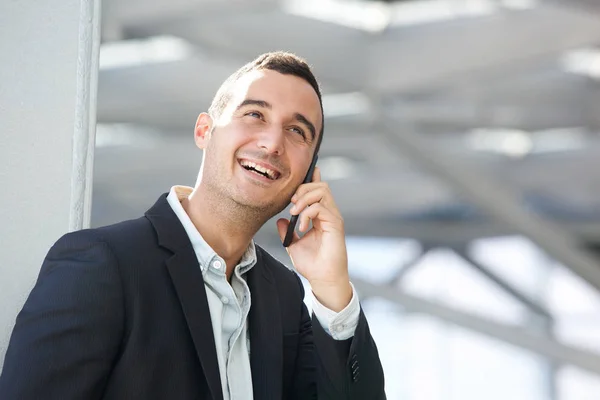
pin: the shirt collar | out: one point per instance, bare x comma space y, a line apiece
204, 252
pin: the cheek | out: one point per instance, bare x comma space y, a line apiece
301, 165
296, 180
230, 140
241, 134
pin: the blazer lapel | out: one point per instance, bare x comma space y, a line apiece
189, 284
266, 343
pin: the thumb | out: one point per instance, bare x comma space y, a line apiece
282, 225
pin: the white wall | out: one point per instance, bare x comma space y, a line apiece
48, 77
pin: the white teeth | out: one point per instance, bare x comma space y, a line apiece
259, 168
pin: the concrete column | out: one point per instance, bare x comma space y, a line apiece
48, 79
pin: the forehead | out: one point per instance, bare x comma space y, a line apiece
288, 94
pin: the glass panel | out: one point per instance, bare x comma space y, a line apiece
445, 277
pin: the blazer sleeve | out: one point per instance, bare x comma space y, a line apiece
337, 369
68, 333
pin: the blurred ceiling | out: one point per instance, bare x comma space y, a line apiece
508, 89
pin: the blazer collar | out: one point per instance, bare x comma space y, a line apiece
265, 325
187, 279
169, 230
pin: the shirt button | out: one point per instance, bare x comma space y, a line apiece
217, 264
225, 300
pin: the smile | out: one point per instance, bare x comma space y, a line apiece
260, 169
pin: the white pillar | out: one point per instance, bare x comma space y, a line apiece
48, 78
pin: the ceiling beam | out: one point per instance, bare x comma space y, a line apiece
522, 297
495, 199
434, 233
435, 55
514, 335
583, 5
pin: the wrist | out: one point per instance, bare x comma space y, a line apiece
334, 296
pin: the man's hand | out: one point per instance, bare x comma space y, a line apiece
320, 255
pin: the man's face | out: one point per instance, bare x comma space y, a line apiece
261, 147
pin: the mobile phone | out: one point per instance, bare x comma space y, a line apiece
294, 219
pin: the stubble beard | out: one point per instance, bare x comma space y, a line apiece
246, 215
232, 204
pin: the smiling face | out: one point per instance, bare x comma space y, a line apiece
257, 152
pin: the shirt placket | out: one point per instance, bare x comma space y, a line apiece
240, 290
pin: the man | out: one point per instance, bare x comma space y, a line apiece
180, 303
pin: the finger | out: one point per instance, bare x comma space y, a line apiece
305, 217
306, 199
282, 226
321, 195
316, 174
314, 213
307, 187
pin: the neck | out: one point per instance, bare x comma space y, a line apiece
227, 228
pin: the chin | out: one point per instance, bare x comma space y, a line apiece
267, 208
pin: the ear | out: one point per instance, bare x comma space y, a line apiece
202, 130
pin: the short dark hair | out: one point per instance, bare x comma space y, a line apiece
279, 61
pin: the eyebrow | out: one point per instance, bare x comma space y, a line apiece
297, 116
252, 102
301, 118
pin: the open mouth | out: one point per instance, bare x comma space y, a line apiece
259, 169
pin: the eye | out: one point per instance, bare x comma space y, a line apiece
297, 130
254, 114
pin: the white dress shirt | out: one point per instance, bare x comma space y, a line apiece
229, 305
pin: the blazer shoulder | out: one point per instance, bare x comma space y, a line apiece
126, 230
115, 235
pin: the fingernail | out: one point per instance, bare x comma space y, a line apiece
293, 209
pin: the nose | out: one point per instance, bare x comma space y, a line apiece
271, 140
